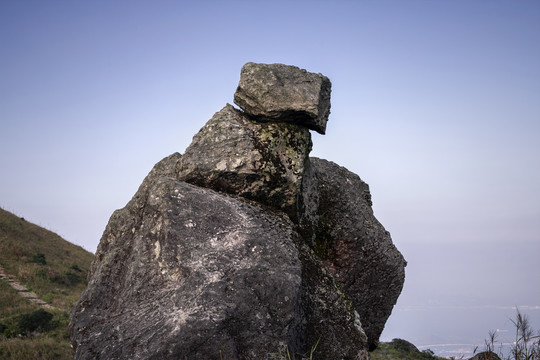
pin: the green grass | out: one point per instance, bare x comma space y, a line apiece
11, 303
38, 348
52, 268
285, 354
52, 343
47, 264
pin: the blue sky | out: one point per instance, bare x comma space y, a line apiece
435, 104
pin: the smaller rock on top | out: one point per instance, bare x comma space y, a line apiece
277, 92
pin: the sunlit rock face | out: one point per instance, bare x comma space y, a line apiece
264, 162
244, 246
277, 92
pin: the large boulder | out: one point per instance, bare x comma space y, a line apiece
277, 92
243, 246
355, 246
184, 272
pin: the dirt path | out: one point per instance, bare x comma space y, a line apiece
23, 291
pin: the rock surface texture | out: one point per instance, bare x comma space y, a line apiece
244, 247
284, 93
355, 246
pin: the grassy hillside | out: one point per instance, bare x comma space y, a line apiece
52, 268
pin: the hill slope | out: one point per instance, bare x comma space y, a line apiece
55, 270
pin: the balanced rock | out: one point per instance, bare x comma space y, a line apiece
243, 247
278, 92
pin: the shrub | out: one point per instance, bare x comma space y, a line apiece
39, 258
403, 345
76, 268
72, 278
38, 320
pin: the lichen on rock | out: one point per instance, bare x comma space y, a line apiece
259, 161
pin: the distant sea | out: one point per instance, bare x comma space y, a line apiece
453, 331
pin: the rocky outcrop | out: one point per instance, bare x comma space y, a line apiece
278, 92
185, 272
243, 246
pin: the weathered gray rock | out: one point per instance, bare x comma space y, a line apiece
265, 162
258, 161
356, 248
244, 246
184, 272
277, 92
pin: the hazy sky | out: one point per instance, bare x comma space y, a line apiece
435, 104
